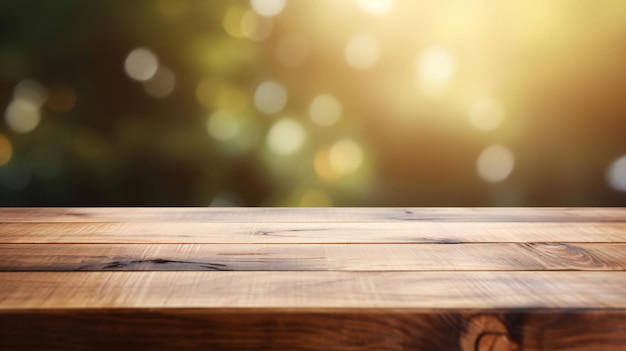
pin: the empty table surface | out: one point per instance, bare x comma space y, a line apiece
313, 279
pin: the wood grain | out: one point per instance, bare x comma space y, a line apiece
302, 329
303, 215
280, 290
420, 279
313, 257
304, 233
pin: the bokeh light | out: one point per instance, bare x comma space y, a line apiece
325, 110
161, 84
256, 28
22, 116
313, 103
270, 97
223, 125
345, 156
435, 68
141, 64
31, 91
362, 51
486, 113
616, 174
495, 163
268, 7
286, 136
375, 7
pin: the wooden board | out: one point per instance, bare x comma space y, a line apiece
311, 330
310, 233
276, 290
314, 257
461, 279
303, 215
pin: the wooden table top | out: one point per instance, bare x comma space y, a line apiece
313, 279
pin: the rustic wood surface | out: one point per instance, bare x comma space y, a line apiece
313, 279
313, 257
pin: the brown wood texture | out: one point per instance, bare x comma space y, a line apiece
304, 233
314, 257
190, 289
313, 279
324, 215
321, 329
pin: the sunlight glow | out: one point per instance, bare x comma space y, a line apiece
362, 52
268, 8
495, 163
435, 67
486, 113
375, 7
325, 110
345, 156
270, 97
286, 136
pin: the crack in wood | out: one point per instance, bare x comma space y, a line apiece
276, 232
165, 262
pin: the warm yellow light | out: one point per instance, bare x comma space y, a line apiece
495, 163
286, 136
270, 97
362, 52
325, 110
255, 27
375, 7
323, 168
232, 21
486, 113
435, 68
267, 8
345, 156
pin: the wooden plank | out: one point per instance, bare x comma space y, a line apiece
313, 257
302, 329
303, 215
260, 233
280, 290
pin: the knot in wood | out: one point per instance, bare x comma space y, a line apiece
486, 333
495, 342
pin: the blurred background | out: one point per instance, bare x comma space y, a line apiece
312, 103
